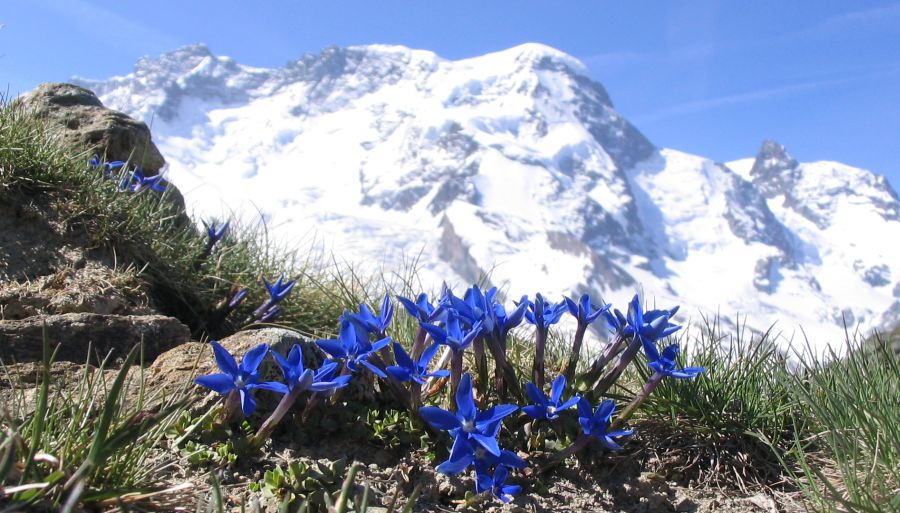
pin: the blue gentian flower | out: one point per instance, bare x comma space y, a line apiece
595, 424
140, 182
649, 326
242, 378
472, 430
277, 291
408, 370
474, 307
236, 299
496, 484
544, 408
422, 310
297, 377
584, 311
353, 347
215, 232
665, 364
504, 322
376, 325
453, 334
106, 167
270, 314
542, 313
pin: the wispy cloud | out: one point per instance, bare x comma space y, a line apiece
887, 15
601, 61
100, 23
707, 104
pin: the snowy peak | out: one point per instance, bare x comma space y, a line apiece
517, 165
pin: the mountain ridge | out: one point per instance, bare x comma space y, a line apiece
518, 162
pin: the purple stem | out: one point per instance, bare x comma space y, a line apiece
608, 354
651, 384
480, 364
418, 344
540, 342
456, 362
613, 375
268, 426
232, 409
569, 370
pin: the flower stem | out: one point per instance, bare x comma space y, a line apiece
540, 343
651, 384
456, 362
608, 354
569, 370
613, 375
480, 364
232, 409
268, 426
418, 345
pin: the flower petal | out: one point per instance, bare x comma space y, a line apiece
272, 386
248, 404
221, 383
439, 418
556, 389
254, 357
465, 405
488, 442
495, 413
535, 394
333, 347
224, 359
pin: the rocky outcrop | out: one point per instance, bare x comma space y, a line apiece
86, 123
80, 335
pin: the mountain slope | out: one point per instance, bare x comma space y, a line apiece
516, 163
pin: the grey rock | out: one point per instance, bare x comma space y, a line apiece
85, 122
775, 171
766, 276
83, 335
750, 218
174, 370
455, 252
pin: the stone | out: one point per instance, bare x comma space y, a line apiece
84, 335
86, 123
175, 369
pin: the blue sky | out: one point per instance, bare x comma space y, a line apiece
712, 78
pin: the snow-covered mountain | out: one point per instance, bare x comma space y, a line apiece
516, 164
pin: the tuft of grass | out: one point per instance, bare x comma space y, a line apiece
151, 231
86, 443
848, 460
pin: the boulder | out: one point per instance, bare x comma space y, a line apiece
86, 123
175, 369
80, 335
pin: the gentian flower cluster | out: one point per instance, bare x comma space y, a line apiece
475, 322
132, 181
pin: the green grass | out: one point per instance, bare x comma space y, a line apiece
849, 459
150, 231
83, 442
